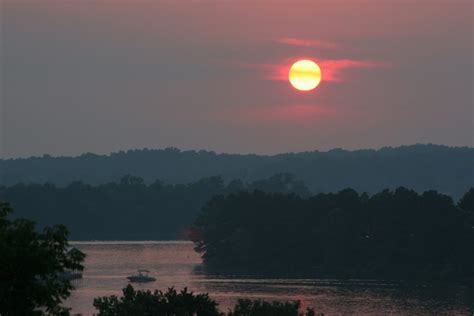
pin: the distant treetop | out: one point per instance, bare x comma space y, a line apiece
421, 167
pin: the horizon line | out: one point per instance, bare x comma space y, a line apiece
210, 151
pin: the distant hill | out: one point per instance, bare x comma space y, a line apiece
130, 209
449, 170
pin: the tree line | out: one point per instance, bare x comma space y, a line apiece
419, 167
398, 234
129, 209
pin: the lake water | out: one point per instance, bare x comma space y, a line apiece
173, 264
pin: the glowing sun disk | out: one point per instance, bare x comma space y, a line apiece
305, 75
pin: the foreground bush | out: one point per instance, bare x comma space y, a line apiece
262, 308
184, 303
32, 265
147, 303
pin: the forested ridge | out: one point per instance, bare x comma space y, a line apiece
420, 167
397, 234
130, 208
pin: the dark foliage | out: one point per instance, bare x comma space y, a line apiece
420, 167
393, 235
147, 303
467, 201
184, 303
129, 209
247, 307
31, 265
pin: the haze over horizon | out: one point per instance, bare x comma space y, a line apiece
104, 76
183, 150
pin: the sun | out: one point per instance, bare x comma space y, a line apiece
305, 75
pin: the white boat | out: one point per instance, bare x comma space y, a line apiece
141, 277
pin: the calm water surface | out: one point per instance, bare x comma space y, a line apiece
173, 264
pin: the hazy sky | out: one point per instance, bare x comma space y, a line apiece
104, 75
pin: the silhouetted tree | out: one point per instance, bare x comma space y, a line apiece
467, 201
147, 303
32, 265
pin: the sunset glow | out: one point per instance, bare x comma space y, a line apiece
286, 158
305, 75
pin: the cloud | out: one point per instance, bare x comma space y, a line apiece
302, 42
331, 69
